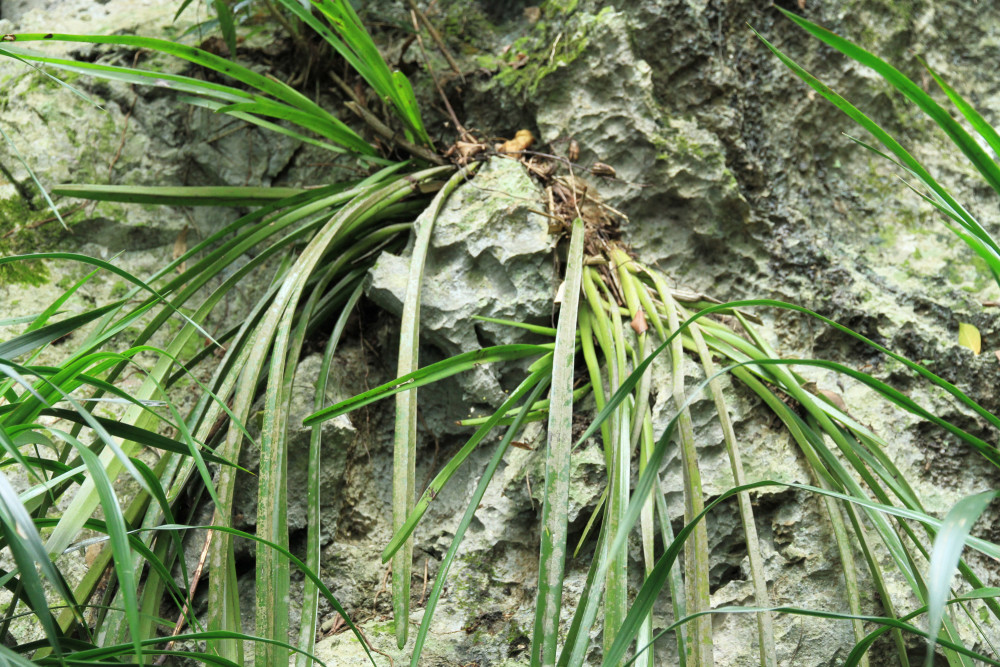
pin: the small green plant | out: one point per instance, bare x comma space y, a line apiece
623, 307
616, 315
320, 242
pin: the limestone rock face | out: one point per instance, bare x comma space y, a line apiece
737, 181
491, 255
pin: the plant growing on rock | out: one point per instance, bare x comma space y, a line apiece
960, 221
616, 315
320, 242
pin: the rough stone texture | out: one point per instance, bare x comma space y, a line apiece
737, 182
491, 255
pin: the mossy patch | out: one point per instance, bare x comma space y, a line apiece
559, 6
459, 21
533, 57
25, 230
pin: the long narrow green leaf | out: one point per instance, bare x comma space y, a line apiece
132, 75
574, 652
117, 531
619, 473
107, 266
405, 433
350, 39
226, 25
34, 339
696, 564
947, 551
650, 589
329, 126
30, 556
219, 195
215, 105
552, 559
429, 374
198, 56
310, 592
975, 119
894, 146
275, 336
446, 473
31, 173
862, 647
630, 382
293, 560
765, 623
128, 432
886, 623
271, 340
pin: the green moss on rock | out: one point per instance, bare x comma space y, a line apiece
544, 51
19, 235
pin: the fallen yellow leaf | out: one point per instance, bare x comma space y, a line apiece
968, 336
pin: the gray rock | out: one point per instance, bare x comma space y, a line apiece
491, 255
737, 182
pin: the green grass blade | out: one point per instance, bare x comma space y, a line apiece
30, 556
696, 565
552, 559
405, 433
215, 105
128, 432
630, 382
117, 532
446, 473
887, 140
34, 339
135, 76
975, 119
293, 560
356, 46
272, 585
948, 545
310, 593
31, 173
226, 25
272, 338
179, 196
197, 56
886, 623
329, 126
428, 375
765, 622
650, 589
533, 328
11, 53
619, 474
107, 266
863, 646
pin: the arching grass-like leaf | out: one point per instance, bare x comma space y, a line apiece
948, 546
552, 559
984, 245
405, 433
